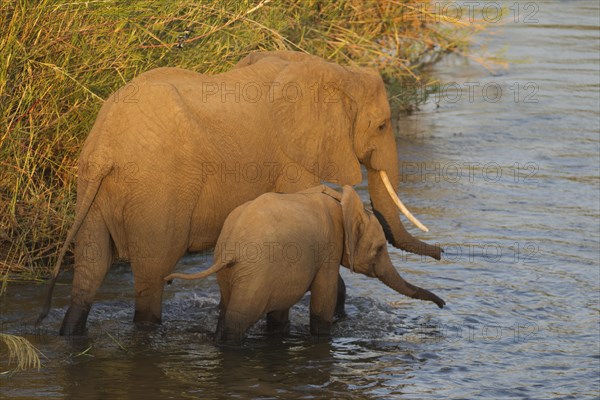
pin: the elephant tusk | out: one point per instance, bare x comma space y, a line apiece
398, 203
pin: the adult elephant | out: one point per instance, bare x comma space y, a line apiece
173, 152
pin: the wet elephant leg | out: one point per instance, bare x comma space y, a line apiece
148, 282
240, 316
221, 321
157, 247
148, 301
74, 322
323, 298
278, 322
340, 306
236, 323
223, 278
93, 257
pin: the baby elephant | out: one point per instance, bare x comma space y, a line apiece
275, 248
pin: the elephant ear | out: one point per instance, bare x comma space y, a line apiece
314, 119
354, 222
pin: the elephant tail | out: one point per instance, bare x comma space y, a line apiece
86, 203
216, 267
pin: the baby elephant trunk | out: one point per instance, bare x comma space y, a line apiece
393, 280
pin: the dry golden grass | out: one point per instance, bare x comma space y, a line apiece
21, 351
60, 59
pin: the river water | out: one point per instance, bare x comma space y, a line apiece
503, 167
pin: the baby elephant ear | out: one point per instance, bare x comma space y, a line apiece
354, 223
314, 119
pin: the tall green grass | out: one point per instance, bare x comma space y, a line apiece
60, 59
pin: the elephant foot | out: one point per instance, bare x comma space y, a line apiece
75, 320
145, 319
319, 326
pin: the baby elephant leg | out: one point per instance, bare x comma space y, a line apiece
221, 321
240, 315
278, 321
323, 299
340, 306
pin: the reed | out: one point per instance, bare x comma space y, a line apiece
21, 353
60, 59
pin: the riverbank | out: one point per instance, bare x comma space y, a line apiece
61, 60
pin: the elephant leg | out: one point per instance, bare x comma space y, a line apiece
148, 301
223, 278
156, 244
340, 306
323, 296
221, 321
278, 321
148, 282
93, 257
242, 312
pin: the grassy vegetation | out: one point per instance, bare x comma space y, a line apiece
60, 59
21, 351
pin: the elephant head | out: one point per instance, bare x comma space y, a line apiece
330, 119
365, 249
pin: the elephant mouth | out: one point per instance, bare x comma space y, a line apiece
398, 202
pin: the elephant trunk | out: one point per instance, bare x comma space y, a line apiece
387, 213
391, 278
